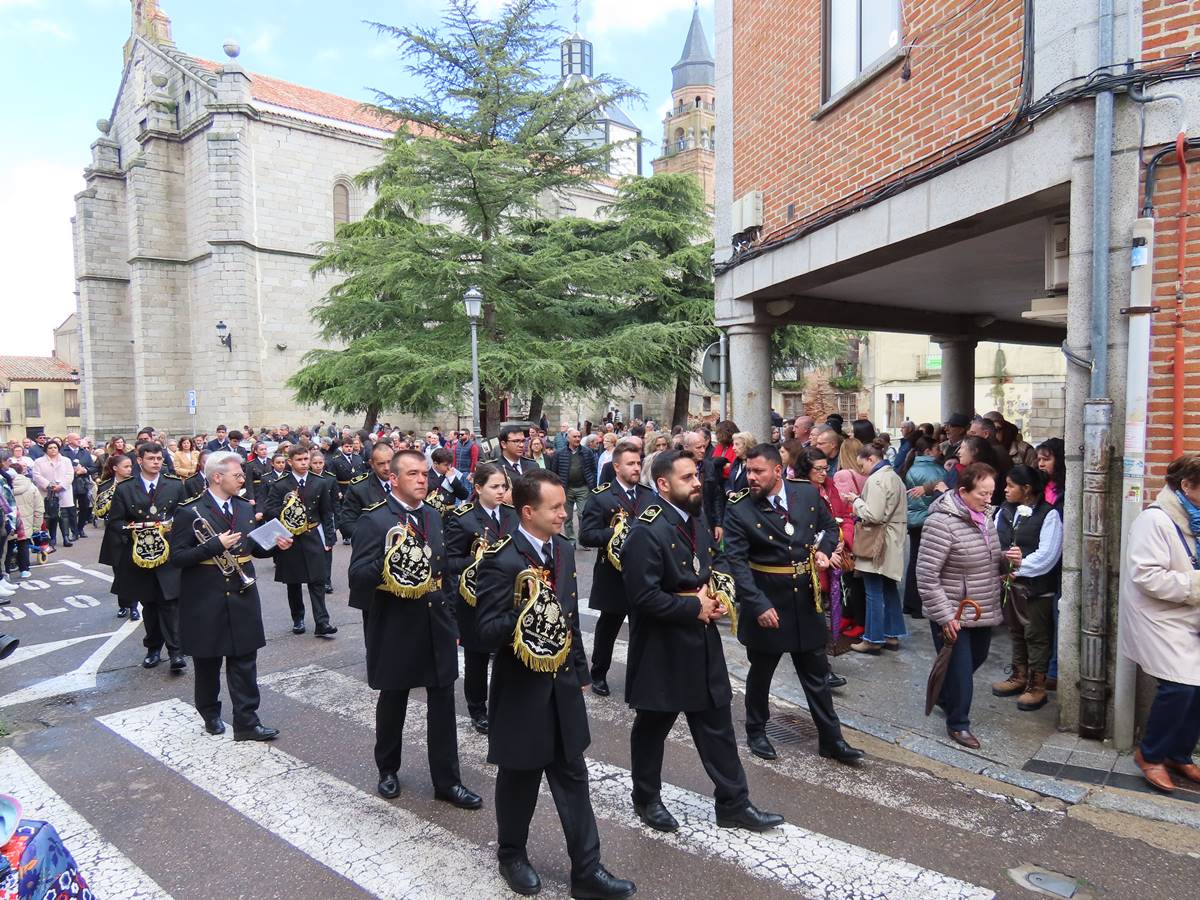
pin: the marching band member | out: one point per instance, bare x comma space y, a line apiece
446, 484
346, 465
316, 468
117, 468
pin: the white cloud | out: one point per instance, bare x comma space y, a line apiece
383, 50
36, 254
610, 16
666, 107
12, 4
328, 55
264, 42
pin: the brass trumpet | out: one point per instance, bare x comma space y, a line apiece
225, 560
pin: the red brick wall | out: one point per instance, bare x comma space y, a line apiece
965, 79
1169, 27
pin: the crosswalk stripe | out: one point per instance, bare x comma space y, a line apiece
800, 860
383, 848
109, 873
82, 678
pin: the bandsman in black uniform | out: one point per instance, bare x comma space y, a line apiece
345, 466
197, 483
446, 486
219, 613
316, 467
676, 661
538, 722
512, 452
471, 529
302, 503
399, 557
279, 469
777, 532
365, 491
117, 468
143, 506
609, 508
257, 468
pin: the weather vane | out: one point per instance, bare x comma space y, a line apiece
577, 15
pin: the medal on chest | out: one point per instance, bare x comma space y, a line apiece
153, 509
788, 528
695, 563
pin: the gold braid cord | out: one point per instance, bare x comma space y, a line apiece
721, 586
407, 572
466, 582
104, 500
542, 638
616, 543
816, 579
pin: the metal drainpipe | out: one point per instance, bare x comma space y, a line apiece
1097, 419
724, 346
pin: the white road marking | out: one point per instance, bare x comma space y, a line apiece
383, 848
82, 678
21, 654
109, 873
809, 863
103, 576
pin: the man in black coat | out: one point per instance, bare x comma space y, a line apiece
85, 468
608, 597
316, 468
257, 468
219, 618
512, 452
304, 562
410, 639
488, 519
538, 721
197, 483
364, 491
345, 465
676, 662
220, 442
151, 496
445, 485
775, 532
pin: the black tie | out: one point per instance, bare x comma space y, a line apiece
496, 518
517, 468
150, 491
228, 512
548, 554
632, 495
300, 484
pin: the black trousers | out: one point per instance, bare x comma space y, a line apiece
712, 732
241, 677
316, 596
516, 799
17, 554
475, 681
441, 734
608, 626
161, 620
83, 516
912, 597
811, 668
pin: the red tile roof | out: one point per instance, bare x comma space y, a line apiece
34, 368
307, 100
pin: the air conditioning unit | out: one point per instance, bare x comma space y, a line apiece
747, 212
1058, 252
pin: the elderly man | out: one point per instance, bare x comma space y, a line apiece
576, 469
829, 441
84, 467
560, 439
802, 429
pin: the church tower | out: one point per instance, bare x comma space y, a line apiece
689, 128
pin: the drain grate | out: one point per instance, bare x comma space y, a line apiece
789, 728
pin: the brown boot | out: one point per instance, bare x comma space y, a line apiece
1035, 694
1051, 683
1014, 684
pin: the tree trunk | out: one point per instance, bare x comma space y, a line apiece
683, 396
372, 415
536, 402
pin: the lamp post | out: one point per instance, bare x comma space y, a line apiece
473, 301
224, 335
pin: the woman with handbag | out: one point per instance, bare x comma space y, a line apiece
1031, 530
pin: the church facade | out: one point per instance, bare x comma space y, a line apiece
208, 192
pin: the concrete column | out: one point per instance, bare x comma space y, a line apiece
750, 378
958, 376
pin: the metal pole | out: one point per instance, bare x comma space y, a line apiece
724, 347
475, 379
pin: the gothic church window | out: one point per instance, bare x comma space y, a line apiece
341, 204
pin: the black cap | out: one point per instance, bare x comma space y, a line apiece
958, 420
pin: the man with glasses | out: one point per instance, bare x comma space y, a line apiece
512, 452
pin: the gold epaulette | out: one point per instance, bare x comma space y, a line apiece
169, 475
374, 506
499, 545
192, 499
357, 478
464, 509
602, 488
650, 513
736, 496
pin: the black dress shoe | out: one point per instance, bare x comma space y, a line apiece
389, 785
80, 536
328, 588
521, 877
751, 819
298, 626
153, 658
600, 885
834, 680
462, 797
214, 726
135, 615
760, 746
122, 612
68, 544
345, 542
842, 752
600, 687
257, 733
480, 723
325, 630
656, 816
178, 663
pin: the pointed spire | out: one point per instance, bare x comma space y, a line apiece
696, 65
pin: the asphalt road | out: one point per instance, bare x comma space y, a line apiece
115, 757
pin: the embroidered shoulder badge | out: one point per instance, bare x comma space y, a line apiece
192, 499
602, 488
169, 475
737, 496
357, 478
498, 546
464, 509
374, 506
650, 513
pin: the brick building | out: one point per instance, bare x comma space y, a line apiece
940, 168
690, 126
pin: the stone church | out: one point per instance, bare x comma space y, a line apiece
208, 190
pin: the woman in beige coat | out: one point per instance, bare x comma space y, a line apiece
1160, 622
961, 557
883, 505
31, 509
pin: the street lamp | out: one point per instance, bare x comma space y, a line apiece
473, 301
224, 335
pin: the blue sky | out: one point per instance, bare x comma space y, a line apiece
60, 63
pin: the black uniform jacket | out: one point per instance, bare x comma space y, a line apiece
304, 563
463, 526
263, 490
112, 542
256, 470
676, 662
131, 503
194, 485
410, 643
343, 469
526, 462
755, 533
529, 713
365, 490
595, 530
215, 617
458, 490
